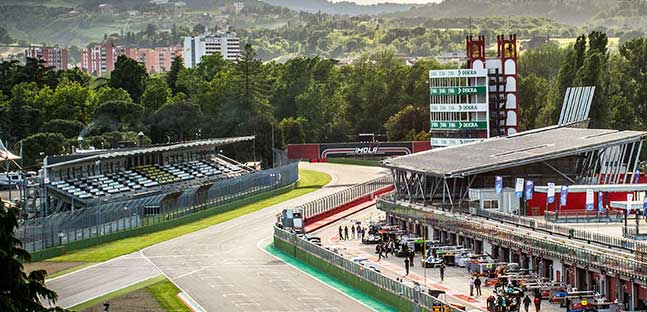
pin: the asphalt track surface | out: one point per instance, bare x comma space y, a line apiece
223, 267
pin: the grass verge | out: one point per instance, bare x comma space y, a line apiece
309, 181
117, 293
165, 293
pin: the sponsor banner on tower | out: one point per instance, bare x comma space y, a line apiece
498, 184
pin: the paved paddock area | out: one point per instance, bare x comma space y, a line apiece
456, 282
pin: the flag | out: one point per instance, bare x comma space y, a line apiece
551, 193
498, 184
600, 201
589, 200
636, 176
530, 187
518, 188
563, 194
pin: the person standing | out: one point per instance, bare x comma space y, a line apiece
341, 233
537, 303
346, 232
352, 230
491, 306
359, 230
363, 231
378, 249
526, 303
406, 266
442, 272
477, 285
412, 254
472, 286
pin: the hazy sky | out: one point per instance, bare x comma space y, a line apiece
391, 1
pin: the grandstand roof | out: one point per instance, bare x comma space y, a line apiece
63, 160
511, 151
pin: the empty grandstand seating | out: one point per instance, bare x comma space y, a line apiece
144, 177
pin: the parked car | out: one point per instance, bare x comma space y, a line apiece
371, 239
431, 262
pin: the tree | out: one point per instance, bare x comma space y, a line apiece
171, 77
47, 143
410, 119
19, 291
69, 101
118, 116
177, 121
210, 65
74, 75
292, 130
252, 85
68, 128
107, 94
130, 76
24, 111
156, 94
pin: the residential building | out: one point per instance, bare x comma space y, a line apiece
156, 60
225, 43
101, 59
53, 57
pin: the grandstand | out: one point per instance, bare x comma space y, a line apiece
95, 177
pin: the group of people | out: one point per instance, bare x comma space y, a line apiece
475, 284
356, 232
383, 249
509, 298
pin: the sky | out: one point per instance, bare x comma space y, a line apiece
391, 1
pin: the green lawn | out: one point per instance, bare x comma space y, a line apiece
165, 293
118, 293
309, 181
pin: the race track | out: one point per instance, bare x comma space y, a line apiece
223, 268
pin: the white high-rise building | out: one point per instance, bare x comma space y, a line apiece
227, 44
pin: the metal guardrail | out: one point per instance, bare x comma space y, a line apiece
332, 201
95, 221
585, 217
380, 280
552, 228
460, 223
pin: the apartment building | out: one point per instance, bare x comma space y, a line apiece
225, 43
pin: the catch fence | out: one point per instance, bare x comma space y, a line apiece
113, 217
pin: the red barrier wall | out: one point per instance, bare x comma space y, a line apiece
303, 151
419, 146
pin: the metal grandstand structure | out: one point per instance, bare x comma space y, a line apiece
577, 105
96, 193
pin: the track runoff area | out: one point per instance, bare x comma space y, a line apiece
225, 267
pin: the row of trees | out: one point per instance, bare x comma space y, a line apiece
306, 99
48, 110
620, 78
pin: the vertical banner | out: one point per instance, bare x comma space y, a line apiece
550, 198
630, 198
590, 198
563, 194
530, 187
518, 188
498, 184
636, 176
600, 202
645, 206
